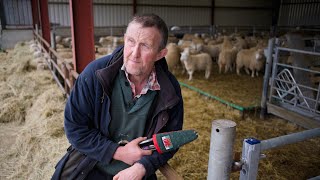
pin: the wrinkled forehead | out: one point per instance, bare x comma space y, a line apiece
136, 30
136, 25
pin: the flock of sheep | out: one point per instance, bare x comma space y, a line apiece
235, 52
192, 53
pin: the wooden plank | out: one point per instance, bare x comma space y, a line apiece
294, 117
169, 172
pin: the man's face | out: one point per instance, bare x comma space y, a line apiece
141, 49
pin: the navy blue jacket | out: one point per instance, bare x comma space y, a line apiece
87, 113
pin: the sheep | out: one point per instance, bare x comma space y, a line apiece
241, 43
182, 44
37, 54
200, 61
226, 43
173, 56
105, 41
104, 50
58, 39
65, 54
213, 50
227, 59
42, 66
117, 41
217, 40
188, 37
67, 42
172, 39
252, 59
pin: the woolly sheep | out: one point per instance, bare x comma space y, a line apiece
213, 50
200, 61
252, 59
227, 59
173, 56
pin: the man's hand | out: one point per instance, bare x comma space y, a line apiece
135, 172
131, 152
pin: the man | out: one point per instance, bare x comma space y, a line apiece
120, 100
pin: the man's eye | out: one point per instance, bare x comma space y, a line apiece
145, 45
131, 41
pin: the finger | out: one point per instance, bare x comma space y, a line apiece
116, 177
146, 152
138, 140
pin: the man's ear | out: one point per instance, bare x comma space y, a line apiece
162, 53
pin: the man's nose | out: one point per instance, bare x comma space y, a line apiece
136, 51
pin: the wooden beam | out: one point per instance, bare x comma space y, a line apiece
169, 172
82, 31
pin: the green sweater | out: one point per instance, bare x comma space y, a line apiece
128, 117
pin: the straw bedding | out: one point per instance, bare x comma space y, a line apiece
32, 137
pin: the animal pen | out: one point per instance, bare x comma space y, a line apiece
291, 91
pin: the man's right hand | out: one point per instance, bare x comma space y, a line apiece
131, 152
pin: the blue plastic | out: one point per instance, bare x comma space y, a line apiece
252, 141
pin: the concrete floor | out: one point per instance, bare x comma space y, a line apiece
8, 38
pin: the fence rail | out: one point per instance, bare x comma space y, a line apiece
63, 72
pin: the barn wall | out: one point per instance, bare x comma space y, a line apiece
108, 13
299, 12
16, 13
243, 13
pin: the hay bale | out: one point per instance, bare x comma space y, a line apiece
31, 97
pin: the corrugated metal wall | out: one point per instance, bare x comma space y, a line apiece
59, 12
178, 12
299, 13
175, 12
118, 13
243, 13
17, 12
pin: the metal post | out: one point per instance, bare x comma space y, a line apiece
266, 79
221, 149
53, 40
250, 159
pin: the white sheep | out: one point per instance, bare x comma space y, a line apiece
173, 56
105, 41
67, 42
58, 39
227, 59
200, 61
252, 59
213, 50
241, 43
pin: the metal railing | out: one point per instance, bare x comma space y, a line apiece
222, 141
252, 148
63, 72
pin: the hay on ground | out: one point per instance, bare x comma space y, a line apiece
33, 106
32, 137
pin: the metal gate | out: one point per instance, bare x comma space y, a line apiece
294, 88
